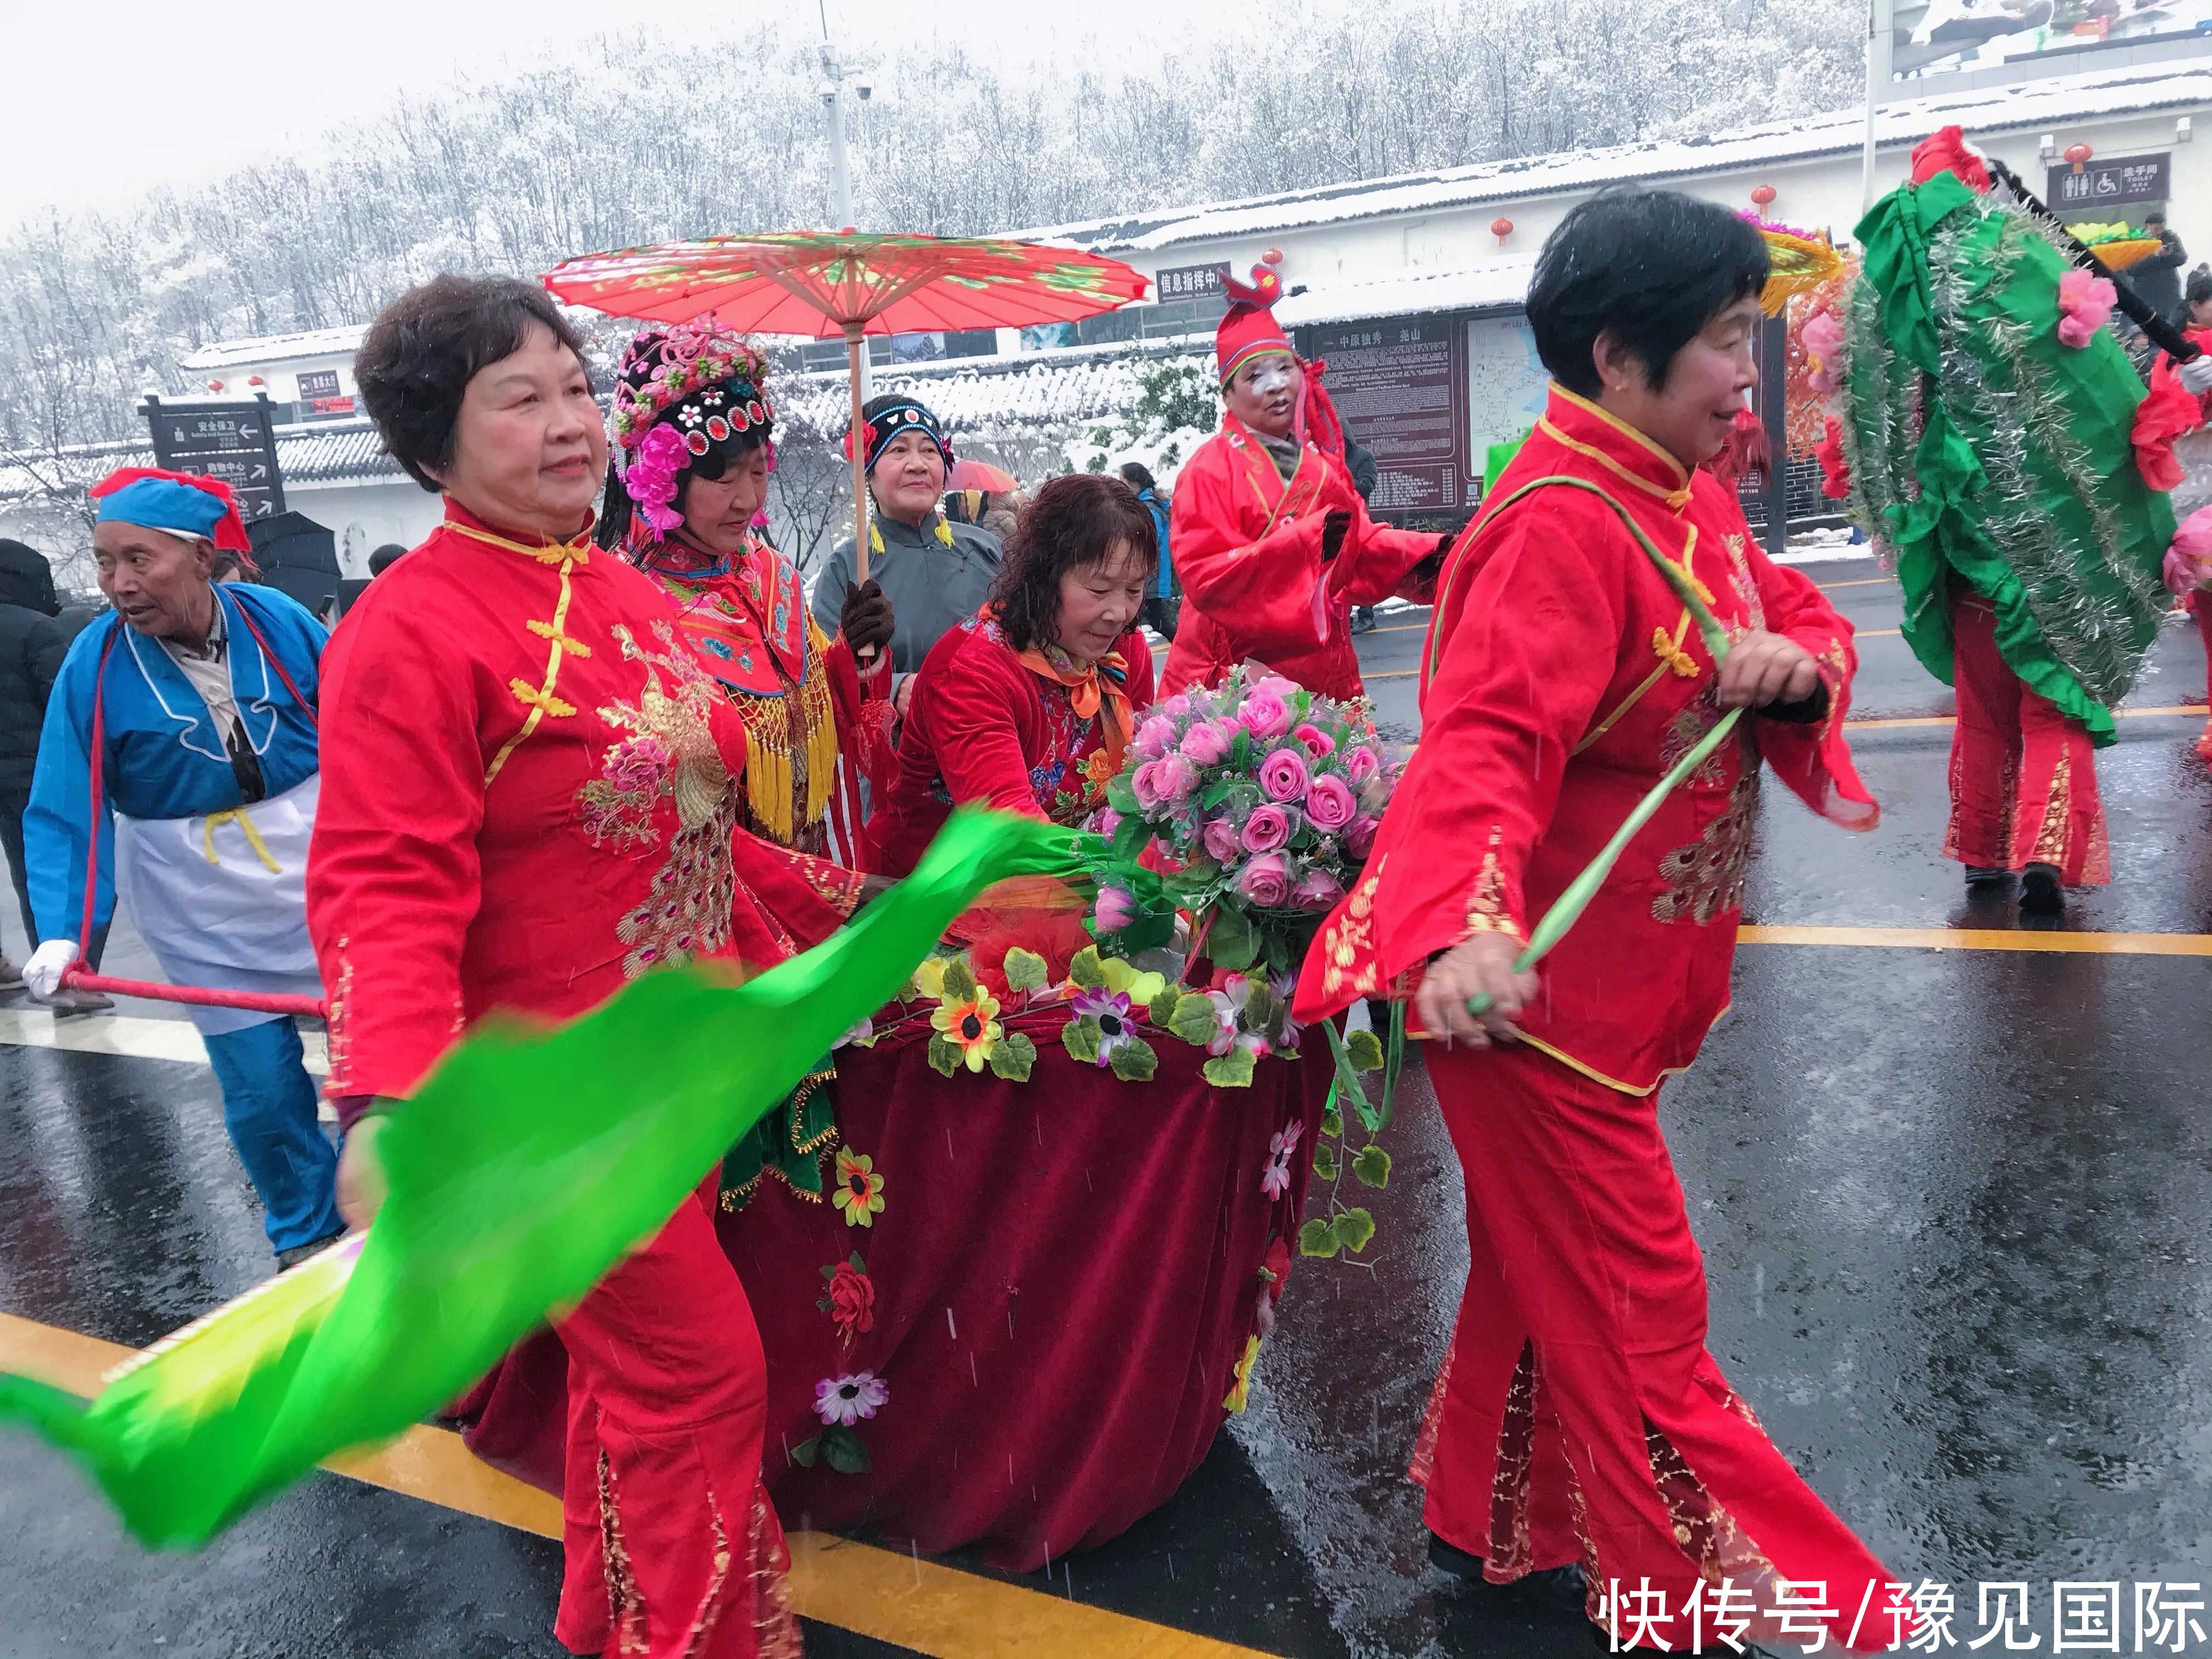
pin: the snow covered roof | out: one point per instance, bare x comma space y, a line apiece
274, 348
979, 394
1985, 109
1484, 288
339, 453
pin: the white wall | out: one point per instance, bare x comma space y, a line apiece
364, 516
1817, 194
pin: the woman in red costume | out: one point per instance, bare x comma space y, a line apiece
531, 796
1272, 541
1031, 712
1579, 1422
693, 432
1007, 1330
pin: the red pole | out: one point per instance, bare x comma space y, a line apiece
266, 1002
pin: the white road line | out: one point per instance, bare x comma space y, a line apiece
126, 1034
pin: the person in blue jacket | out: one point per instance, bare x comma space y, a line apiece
204, 698
1160, 606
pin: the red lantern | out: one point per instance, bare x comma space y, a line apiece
254, 380
1273, 256
215, 385
2077, 153
1762, 196
1501, 228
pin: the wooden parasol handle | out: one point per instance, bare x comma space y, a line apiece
853, 344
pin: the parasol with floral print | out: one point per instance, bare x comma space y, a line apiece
822, 283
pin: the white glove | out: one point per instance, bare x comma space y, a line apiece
43, 972
2196, 374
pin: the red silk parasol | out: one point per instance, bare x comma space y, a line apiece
824, 283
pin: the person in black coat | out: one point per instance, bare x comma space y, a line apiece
32, 645
2157, 278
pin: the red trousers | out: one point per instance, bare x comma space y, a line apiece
670, 1546
2023, 775
2200, 605
1578, 1416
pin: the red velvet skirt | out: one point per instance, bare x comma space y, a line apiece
1061, 1282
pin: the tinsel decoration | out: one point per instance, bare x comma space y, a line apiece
1979, 446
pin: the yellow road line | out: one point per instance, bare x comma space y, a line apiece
1862, 582
1985, 939
919, 1605
1952, 720
1878, 634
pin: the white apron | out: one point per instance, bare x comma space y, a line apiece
202, 893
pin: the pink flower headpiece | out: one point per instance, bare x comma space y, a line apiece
651, 479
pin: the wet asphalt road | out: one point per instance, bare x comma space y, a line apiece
1953, 1207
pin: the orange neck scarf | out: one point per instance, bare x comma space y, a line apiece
1103, 686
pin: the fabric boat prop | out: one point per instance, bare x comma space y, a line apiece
519, 1175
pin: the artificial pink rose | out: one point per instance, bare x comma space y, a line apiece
1156, 737
1265, 714
1317, 889
1267, 880
1359, 837
1318, 743
1268, 827
1115, 909
1329, 802
1276, 686
1204, 744
1221, 842
1177, 778
1175, 707
1146, 781
1107, 821
1363, 764
1283, 775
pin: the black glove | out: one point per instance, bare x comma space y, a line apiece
866, 620
1334, 529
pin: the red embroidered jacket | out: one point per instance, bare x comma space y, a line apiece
530, 797
1562, 677
982, 727
1247, 547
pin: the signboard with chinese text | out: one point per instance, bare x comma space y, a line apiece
1401, 389
319, 396
1189, 282
234, 442
2101, 184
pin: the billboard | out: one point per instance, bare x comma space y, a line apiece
1934, 37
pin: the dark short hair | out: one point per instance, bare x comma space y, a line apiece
1071, 522
385, 558
1650, 267
2154, 218
1137, 477
425, 347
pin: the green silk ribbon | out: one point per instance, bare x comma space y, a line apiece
519, 1174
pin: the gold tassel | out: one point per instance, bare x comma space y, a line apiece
821, 718
767, 764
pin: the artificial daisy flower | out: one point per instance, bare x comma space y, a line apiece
974, 1024
860, 1192
841, 1401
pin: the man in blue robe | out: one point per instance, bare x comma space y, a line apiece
203, 697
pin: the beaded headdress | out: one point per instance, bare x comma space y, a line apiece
709, 384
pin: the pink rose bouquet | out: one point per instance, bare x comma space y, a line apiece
1260, 800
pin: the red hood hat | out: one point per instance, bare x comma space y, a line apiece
1250, 331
